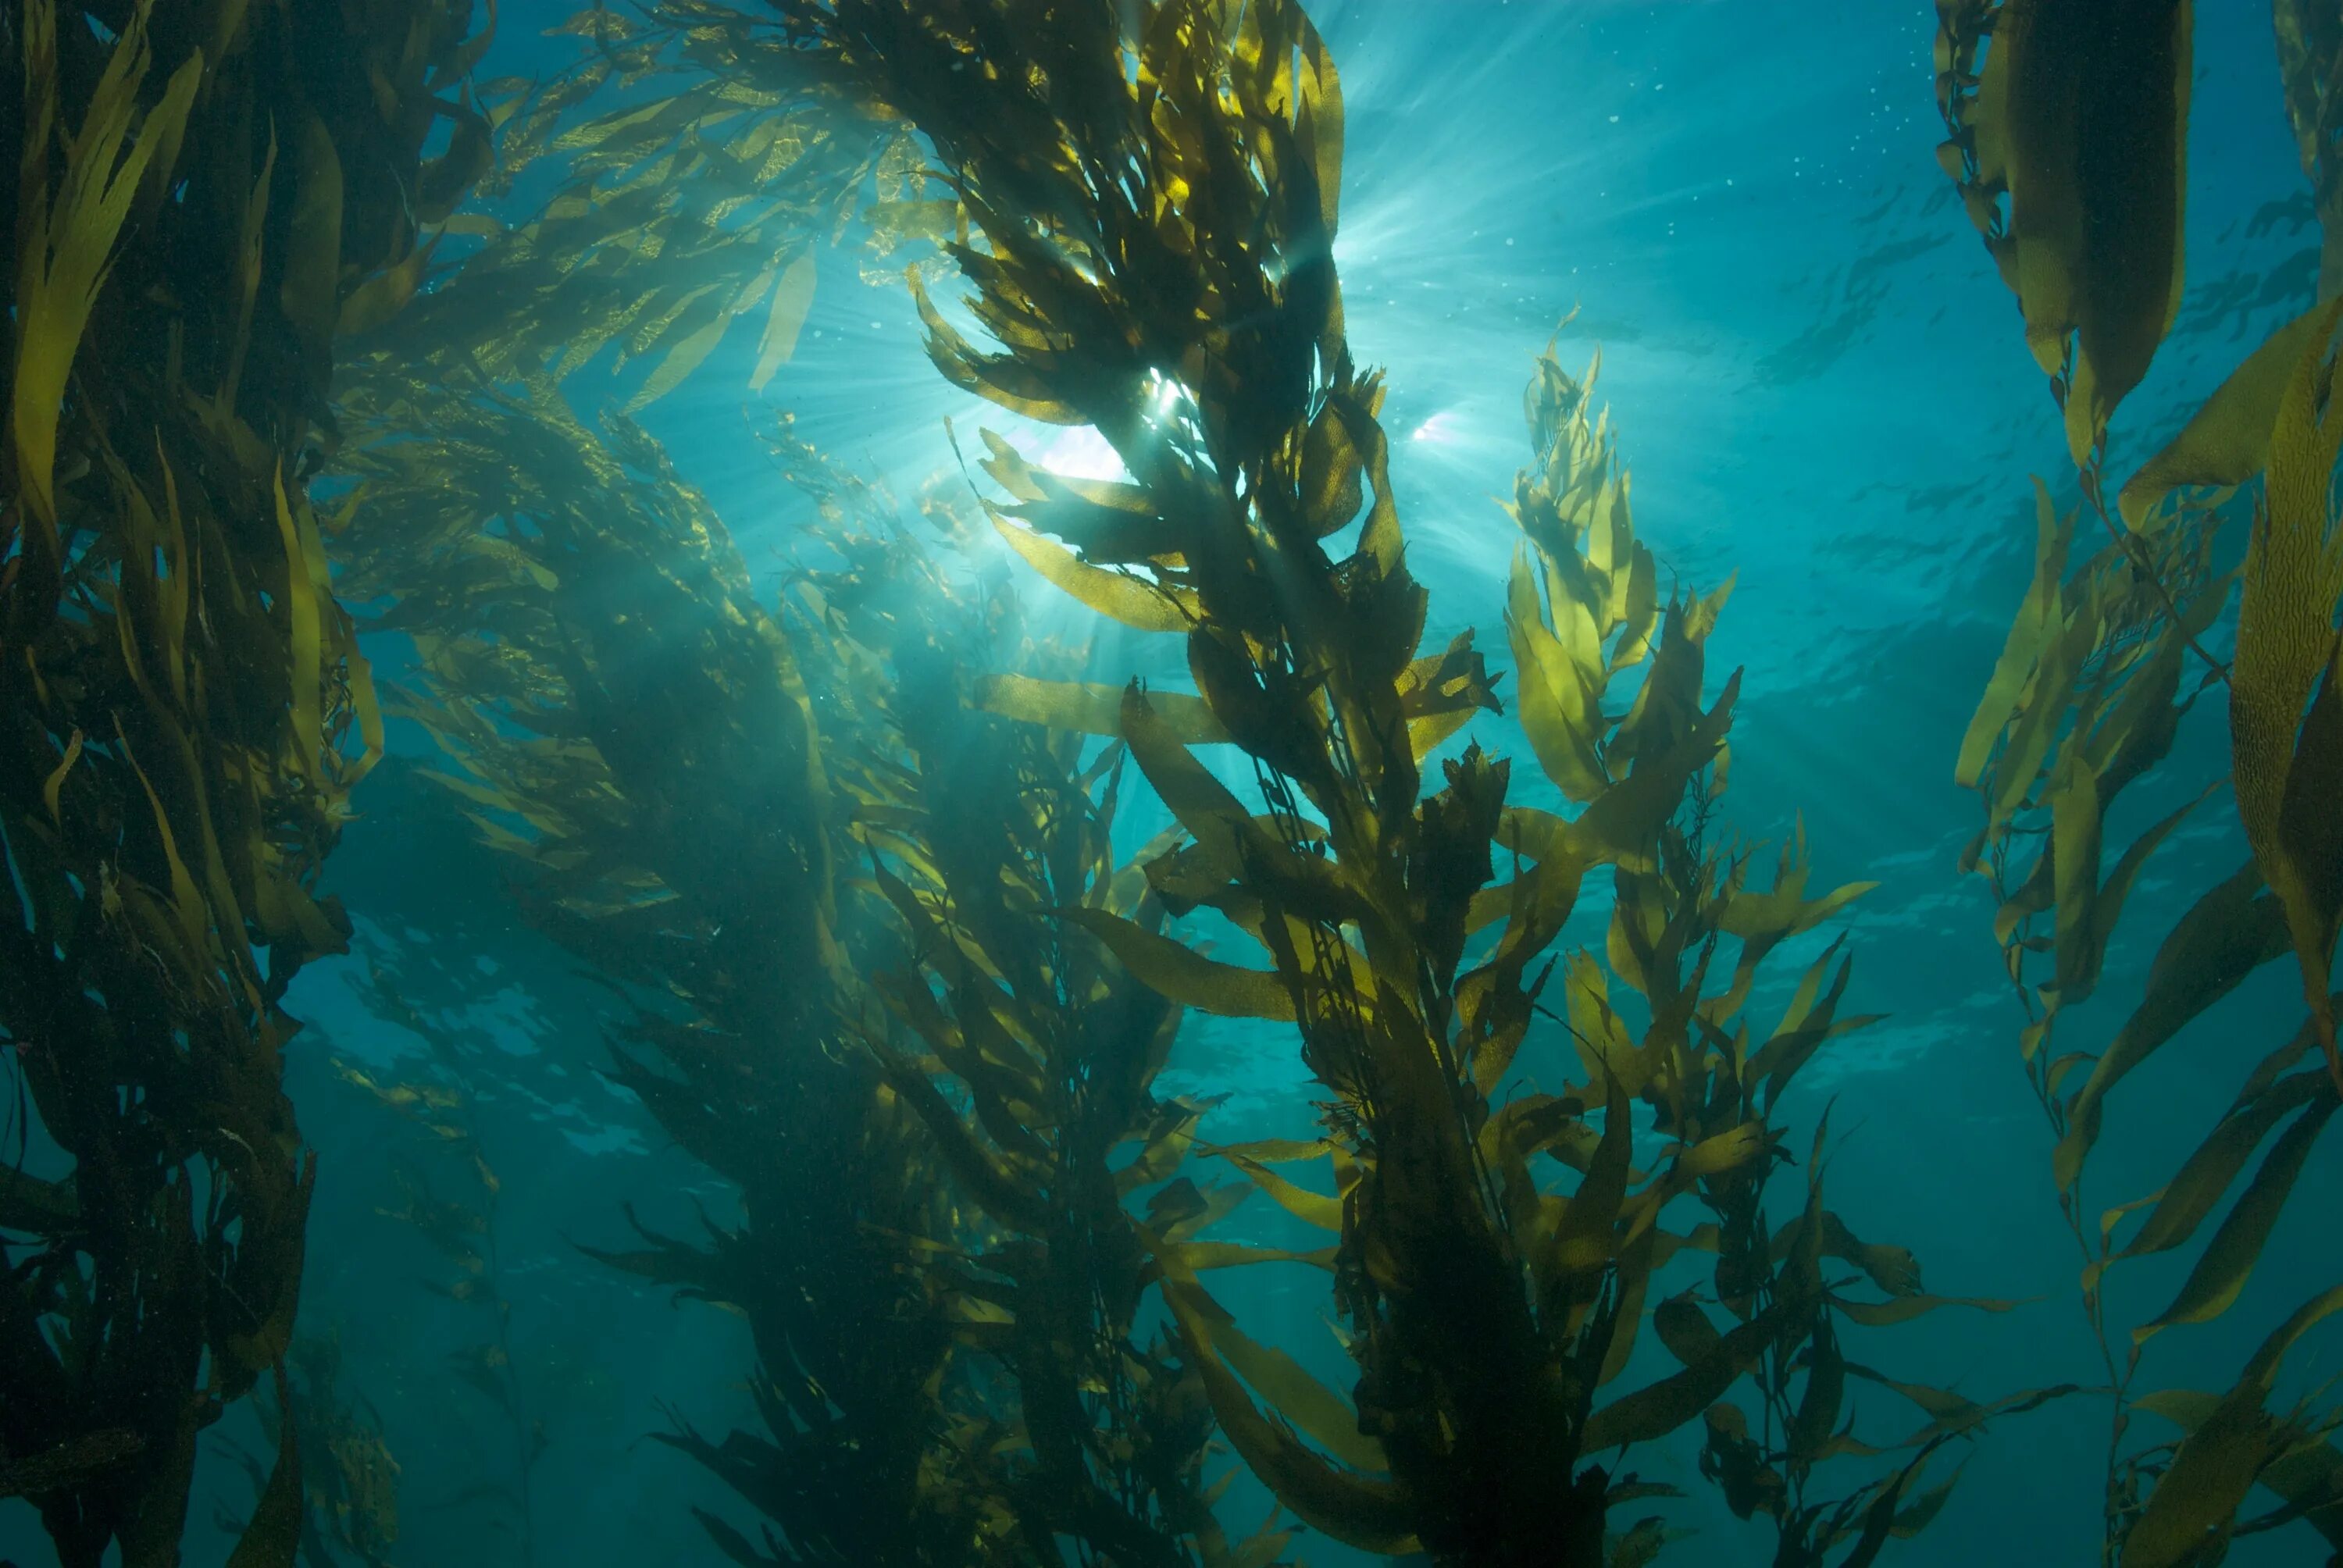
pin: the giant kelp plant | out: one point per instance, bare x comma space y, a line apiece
589, 651
636, 730
203, 198
1152, 194
642, 736
993, 846
2068, 142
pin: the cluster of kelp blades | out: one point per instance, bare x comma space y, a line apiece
847, 855
2068, 144
203, 198
850, 853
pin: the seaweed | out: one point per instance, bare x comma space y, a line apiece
2047, 113
350, 1481
1152, 194
1036, 1050
687, 206
203, 198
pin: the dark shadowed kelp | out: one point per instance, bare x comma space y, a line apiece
2081, 123
202, 198
991, 841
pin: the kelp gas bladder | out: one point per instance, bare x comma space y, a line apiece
202, 198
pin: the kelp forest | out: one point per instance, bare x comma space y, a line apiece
648, 925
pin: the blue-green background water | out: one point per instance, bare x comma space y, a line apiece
1819, 384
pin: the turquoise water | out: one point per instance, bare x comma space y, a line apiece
1819, 384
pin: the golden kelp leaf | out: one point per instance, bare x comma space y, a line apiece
1212, 815
1784, 910
2228, 1259
2034, 625
2087, 909
1179, 973
1659, 1409
2194, 1507
1133, 600
2310, 63
2227, 439
471, 153
2289, 769
792, 303
1623, 824
2227, 934
1091, 708
374, 302
686, 355
1811, 1428
2305, 1476
1323, 1209
1201, 1257
1360, 1511
1685, 1328
1559, 713
1279, 1380
54, 786
2083, 120
2207, 1174
305, 638
64, 254
1585, 1239
1903, 1309
1895, 1270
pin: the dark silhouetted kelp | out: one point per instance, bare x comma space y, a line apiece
203, 198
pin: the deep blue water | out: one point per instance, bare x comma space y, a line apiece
1818, 383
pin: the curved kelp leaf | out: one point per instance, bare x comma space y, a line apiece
2226, 441
2289, 764
1361, 1511
1092, 707
2080, 119
1179, 973
2225, 936
2228, 1259
2192, 1512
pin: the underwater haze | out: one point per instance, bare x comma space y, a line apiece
779, 1101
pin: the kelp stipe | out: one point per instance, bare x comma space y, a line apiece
1156, 203
2061, 119
202, 199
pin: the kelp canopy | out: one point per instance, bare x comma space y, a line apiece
307, 316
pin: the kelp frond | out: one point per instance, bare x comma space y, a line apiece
198, 206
